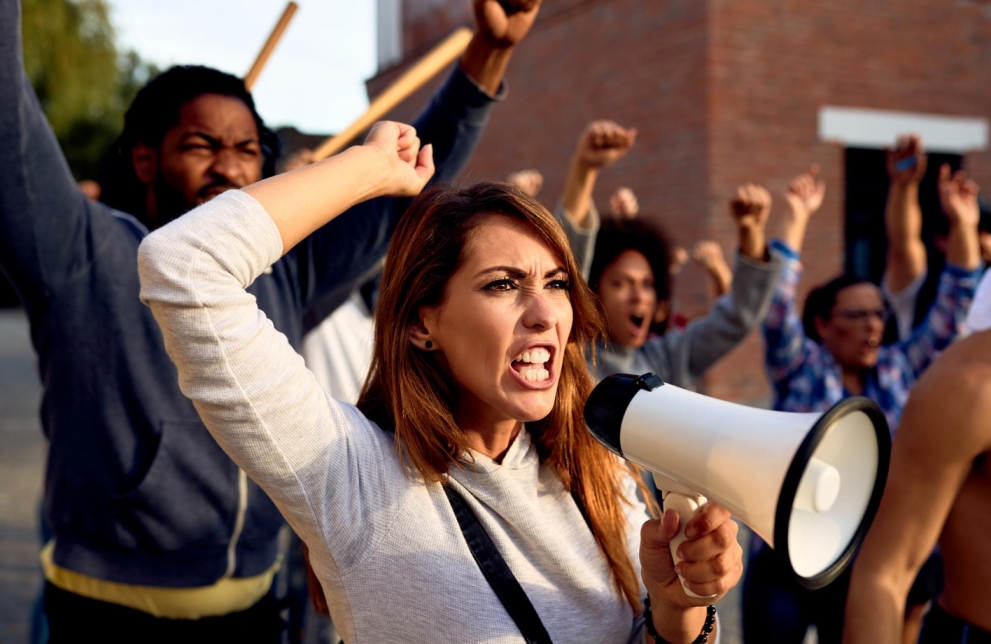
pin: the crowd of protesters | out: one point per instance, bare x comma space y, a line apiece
172, 307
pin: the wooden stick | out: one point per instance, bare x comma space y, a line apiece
273, 40
435, 61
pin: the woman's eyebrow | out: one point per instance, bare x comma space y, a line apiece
512, 271
519, 273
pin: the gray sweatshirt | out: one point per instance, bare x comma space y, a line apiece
681, 356
385, 545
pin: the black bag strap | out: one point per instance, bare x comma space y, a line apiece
497, 572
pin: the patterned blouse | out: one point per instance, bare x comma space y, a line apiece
806, 377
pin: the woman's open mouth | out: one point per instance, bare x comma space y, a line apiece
638, 327
533, 367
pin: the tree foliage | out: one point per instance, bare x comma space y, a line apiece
84, 83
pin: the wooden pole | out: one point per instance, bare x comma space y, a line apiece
435, 61
270, 44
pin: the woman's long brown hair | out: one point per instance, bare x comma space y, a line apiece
406, 392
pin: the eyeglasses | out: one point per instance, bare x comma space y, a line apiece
862, 315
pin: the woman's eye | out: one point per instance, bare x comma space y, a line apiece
500, 285
562, 285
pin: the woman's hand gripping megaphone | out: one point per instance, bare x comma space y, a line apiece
701, 550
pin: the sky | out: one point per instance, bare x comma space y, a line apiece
315, 79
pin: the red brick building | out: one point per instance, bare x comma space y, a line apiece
729, 91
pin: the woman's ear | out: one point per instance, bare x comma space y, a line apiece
419, 333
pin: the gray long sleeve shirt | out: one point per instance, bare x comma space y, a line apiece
384, 544
681, 356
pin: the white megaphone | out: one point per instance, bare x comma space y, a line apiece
808, 484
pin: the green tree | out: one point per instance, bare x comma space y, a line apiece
83, 82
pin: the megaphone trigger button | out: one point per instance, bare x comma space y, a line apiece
649, 382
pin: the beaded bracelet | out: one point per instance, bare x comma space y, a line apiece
710, 620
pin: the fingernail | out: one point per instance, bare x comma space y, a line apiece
677, 570
690, 532
681, 553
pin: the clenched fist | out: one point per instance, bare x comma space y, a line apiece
603, 143
505, 22
907, 162
751, 206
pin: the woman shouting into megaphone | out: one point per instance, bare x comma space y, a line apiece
462, 500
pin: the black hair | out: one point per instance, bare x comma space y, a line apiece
154, 111
617, 236
821, 300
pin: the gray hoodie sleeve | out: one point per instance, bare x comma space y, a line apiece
582, 240
691, 351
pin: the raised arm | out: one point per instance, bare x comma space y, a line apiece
732, 317
958, 283
927, 471
48, 228
786, 348
334, 258
903, 216
709, 255
601, 144
313, 456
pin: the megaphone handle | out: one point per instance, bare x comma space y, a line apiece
687, 507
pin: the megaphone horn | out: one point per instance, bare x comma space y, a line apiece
808, 484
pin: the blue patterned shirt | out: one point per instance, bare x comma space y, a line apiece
806, 377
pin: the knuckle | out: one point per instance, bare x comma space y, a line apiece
719, 567
723, 539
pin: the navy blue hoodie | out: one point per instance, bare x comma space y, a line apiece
136, 490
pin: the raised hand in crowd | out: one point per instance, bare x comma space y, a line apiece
679, 257
958, 197
389, 163
601, 144
501, 26
709, 255
804, 196
906, 261
624, 203
751, 208
528, 181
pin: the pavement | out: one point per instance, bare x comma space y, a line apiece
22, 454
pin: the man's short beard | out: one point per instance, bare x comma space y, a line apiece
170, 202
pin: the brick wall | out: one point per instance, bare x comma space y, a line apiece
722, 92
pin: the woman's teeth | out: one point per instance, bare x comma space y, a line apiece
536, 375
535, 356
538, 358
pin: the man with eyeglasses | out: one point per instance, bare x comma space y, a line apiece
833, 351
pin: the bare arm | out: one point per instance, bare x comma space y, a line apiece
903, 216
600, 145
751, 207
709, 254
927, 470
499, 31
389, 163
804, 196
958, 196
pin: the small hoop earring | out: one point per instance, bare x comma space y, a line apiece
429, 344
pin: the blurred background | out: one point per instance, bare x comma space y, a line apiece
721, 91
